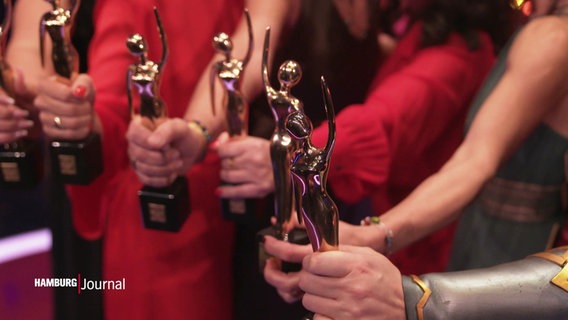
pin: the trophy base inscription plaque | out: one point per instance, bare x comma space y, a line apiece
239, 210
165, 208
296, 236
21, 165
77, 162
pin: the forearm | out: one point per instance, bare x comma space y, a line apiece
519, 290
276, 14
440, 198
23, 51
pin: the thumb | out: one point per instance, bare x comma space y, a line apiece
221, 139
167, 132
83, 87
20, 87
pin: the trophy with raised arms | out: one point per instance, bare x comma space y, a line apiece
228, 72
282, 103
73, 162
164, 208
309, 169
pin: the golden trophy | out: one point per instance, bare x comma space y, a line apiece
164, 208
282, 103
73, 162
20, 161
309, 168
228, 72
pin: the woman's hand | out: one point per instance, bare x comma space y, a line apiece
66, 110
352, 283
14, 121
372, 236
285, 283
246, 165
158, 156
17, 113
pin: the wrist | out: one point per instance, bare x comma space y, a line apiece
205, 137
382, 236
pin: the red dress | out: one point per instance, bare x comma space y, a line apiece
410, 124
184, 275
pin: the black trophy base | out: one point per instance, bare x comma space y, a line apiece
296, 236
165, 208
21, 164
241, 211
77, 162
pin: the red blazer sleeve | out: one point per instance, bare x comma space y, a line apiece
408, 116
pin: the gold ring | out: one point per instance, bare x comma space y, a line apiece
57, 123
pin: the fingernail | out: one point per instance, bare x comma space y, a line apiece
21, 133
7, 100
79, 91
21, 112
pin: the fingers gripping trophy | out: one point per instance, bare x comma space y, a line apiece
228, 72
164, 208
20, 161
74, 162
282, 103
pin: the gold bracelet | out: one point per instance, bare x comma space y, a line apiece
424, 299
196, 125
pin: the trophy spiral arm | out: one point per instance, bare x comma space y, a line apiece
248, 55
330, 113
163, 38
265, 76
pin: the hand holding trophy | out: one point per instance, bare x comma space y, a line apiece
74, 161
20, 158
229, 71
309, 172
163, 208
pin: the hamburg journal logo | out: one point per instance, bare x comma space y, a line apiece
82, 284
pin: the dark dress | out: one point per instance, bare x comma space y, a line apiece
519, 211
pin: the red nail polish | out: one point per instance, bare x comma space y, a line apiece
79, 91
